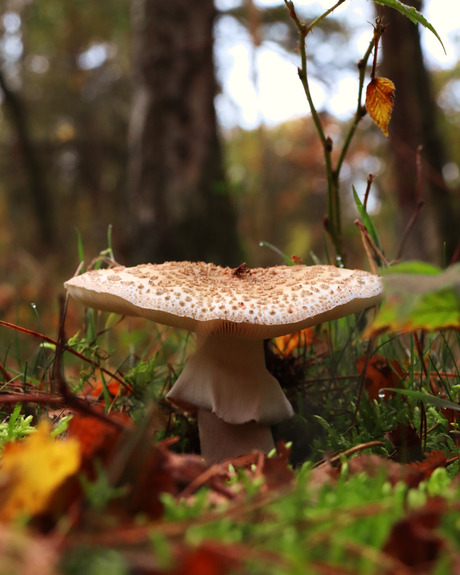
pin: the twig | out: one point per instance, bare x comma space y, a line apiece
367, 240
6, 376
348, 452
371, 243
420, 202
332, 179
318, 20
360, 109
362, 230
370, 179
66, 348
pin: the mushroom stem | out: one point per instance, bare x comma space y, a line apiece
220, 440
226, 378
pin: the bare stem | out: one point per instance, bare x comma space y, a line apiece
360, 110
333, 227
316, 21
370, 179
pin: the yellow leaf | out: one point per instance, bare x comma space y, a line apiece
32, 470
380, 97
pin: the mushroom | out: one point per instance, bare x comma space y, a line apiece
232, 311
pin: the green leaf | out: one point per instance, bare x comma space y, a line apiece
431, 399
414, 267
81, 255
419, 301
287, 259
413, 15
367, 220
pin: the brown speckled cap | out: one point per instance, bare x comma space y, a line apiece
250, 303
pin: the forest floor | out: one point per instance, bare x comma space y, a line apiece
101, 475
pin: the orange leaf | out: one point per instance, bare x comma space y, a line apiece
380, 97
286, 344
380, 373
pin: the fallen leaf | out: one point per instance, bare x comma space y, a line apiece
413, 540
96, 438
25, 491
380, 97
406, 442
373, 465
380, 373
287, 343
24, 554
208, 559
418, 471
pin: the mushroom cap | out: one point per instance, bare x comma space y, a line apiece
254, 303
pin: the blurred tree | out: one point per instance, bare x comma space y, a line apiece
178, 201
38, 192
414, 123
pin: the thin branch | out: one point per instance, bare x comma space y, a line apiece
369, 240
65, 347
360, 109
318, 20
370, 179
350, 451
333, 204
418, 207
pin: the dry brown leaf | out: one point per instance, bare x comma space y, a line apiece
413, 540
406, 442
381, 372
419, 471
97, 438
286, 344
380, 96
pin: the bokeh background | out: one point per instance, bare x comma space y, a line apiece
183, 125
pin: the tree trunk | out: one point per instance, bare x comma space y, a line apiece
413, 123
178, 202
38, 192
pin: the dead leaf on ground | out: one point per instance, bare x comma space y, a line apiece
413, 540
97, 438
286, 344
380, 97
22, 554
276, 470
381, 372
406, 442
208, 559
419, 471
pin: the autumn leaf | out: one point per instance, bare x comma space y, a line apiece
413, 540
33, 470
380, 373
286, 344
380, 96
419, 297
